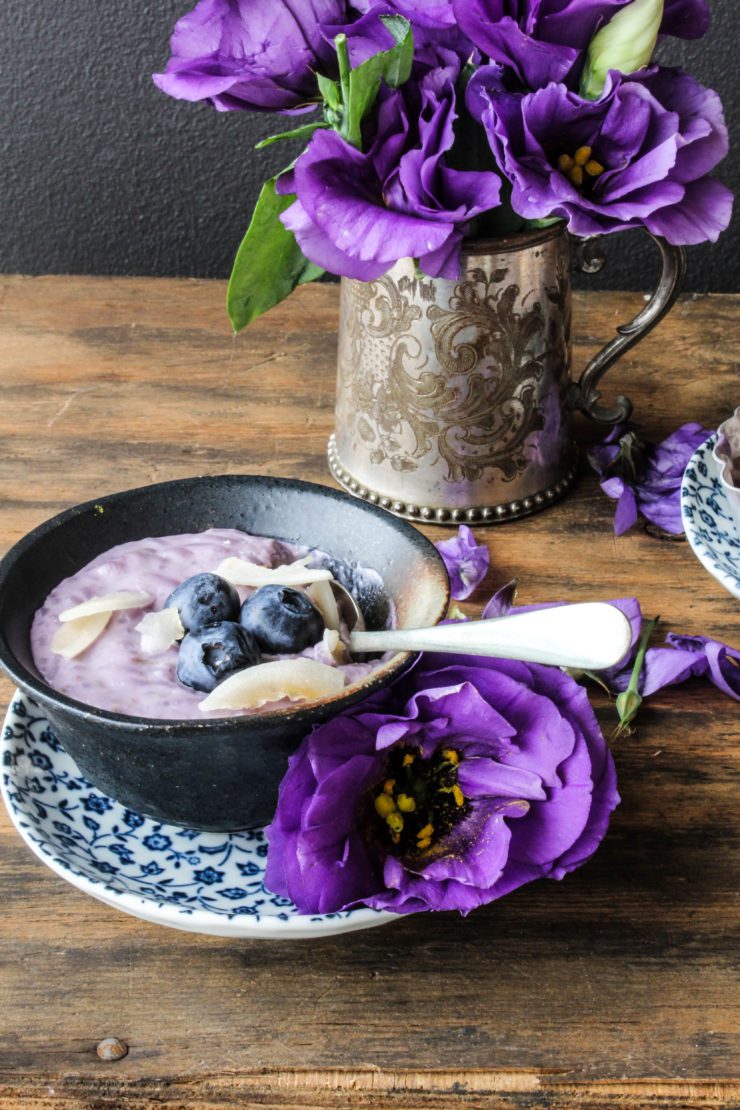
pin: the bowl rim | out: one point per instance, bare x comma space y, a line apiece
47, 696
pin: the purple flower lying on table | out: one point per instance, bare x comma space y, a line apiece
645, 479
465, 780
639, 156
686, 657
466, 562
256, 54
646, 670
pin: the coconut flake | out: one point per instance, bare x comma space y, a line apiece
75, 636
297, 679
109, 603
242, 573
322, 596
335, 647
159, 631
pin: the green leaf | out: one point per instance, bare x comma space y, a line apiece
330, 91
269, 263
304, 132
546, 221
362, 84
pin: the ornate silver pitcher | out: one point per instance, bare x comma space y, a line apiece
454, 398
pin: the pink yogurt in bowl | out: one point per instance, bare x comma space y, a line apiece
206, 771
115, 673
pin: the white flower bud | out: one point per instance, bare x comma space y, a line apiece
626, 43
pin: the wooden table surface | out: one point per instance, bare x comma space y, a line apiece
615, 987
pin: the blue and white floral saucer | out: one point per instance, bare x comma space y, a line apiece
707, 519
201, 882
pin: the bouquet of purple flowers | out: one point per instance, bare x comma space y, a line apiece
430, 121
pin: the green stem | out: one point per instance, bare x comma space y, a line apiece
340, 42
630, 700
641, 653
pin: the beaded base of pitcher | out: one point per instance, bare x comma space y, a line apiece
453, 396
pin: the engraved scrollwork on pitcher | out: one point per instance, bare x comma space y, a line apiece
470, 399
495, 346
460, 381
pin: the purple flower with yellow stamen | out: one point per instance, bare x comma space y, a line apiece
640, 156
462, 782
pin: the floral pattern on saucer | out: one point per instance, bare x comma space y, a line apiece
197, 881
707, 518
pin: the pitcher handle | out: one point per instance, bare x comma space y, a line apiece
585, 394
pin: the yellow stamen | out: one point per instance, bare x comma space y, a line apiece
450, 755
576, 175
408, 760
405, 803
428, 830
395, 837
565, 163
425, 843
593, 168
388, 786
384, 805
458, 795
582, 155
394, 821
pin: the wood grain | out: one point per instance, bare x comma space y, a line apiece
617, 987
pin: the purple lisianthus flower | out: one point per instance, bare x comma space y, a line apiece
546, 40
645, 479
465, 780
437, 14
438, 41
358, 213
257, 54
640, 156
466, 561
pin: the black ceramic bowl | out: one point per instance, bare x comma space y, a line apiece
221, 773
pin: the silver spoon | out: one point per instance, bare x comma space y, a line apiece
588, 636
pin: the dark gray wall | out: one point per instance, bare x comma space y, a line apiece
103, 174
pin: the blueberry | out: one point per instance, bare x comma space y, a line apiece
209, 655
282, 619
204, 599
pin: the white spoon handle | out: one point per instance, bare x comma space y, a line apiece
589, 636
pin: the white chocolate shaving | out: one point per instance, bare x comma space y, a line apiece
110, 603
74, 637
297, 679
241, 573
322, 596
159, 631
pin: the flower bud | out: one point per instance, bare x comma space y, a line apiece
626, 44
627, 704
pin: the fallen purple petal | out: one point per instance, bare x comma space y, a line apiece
645, 479
467, 562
